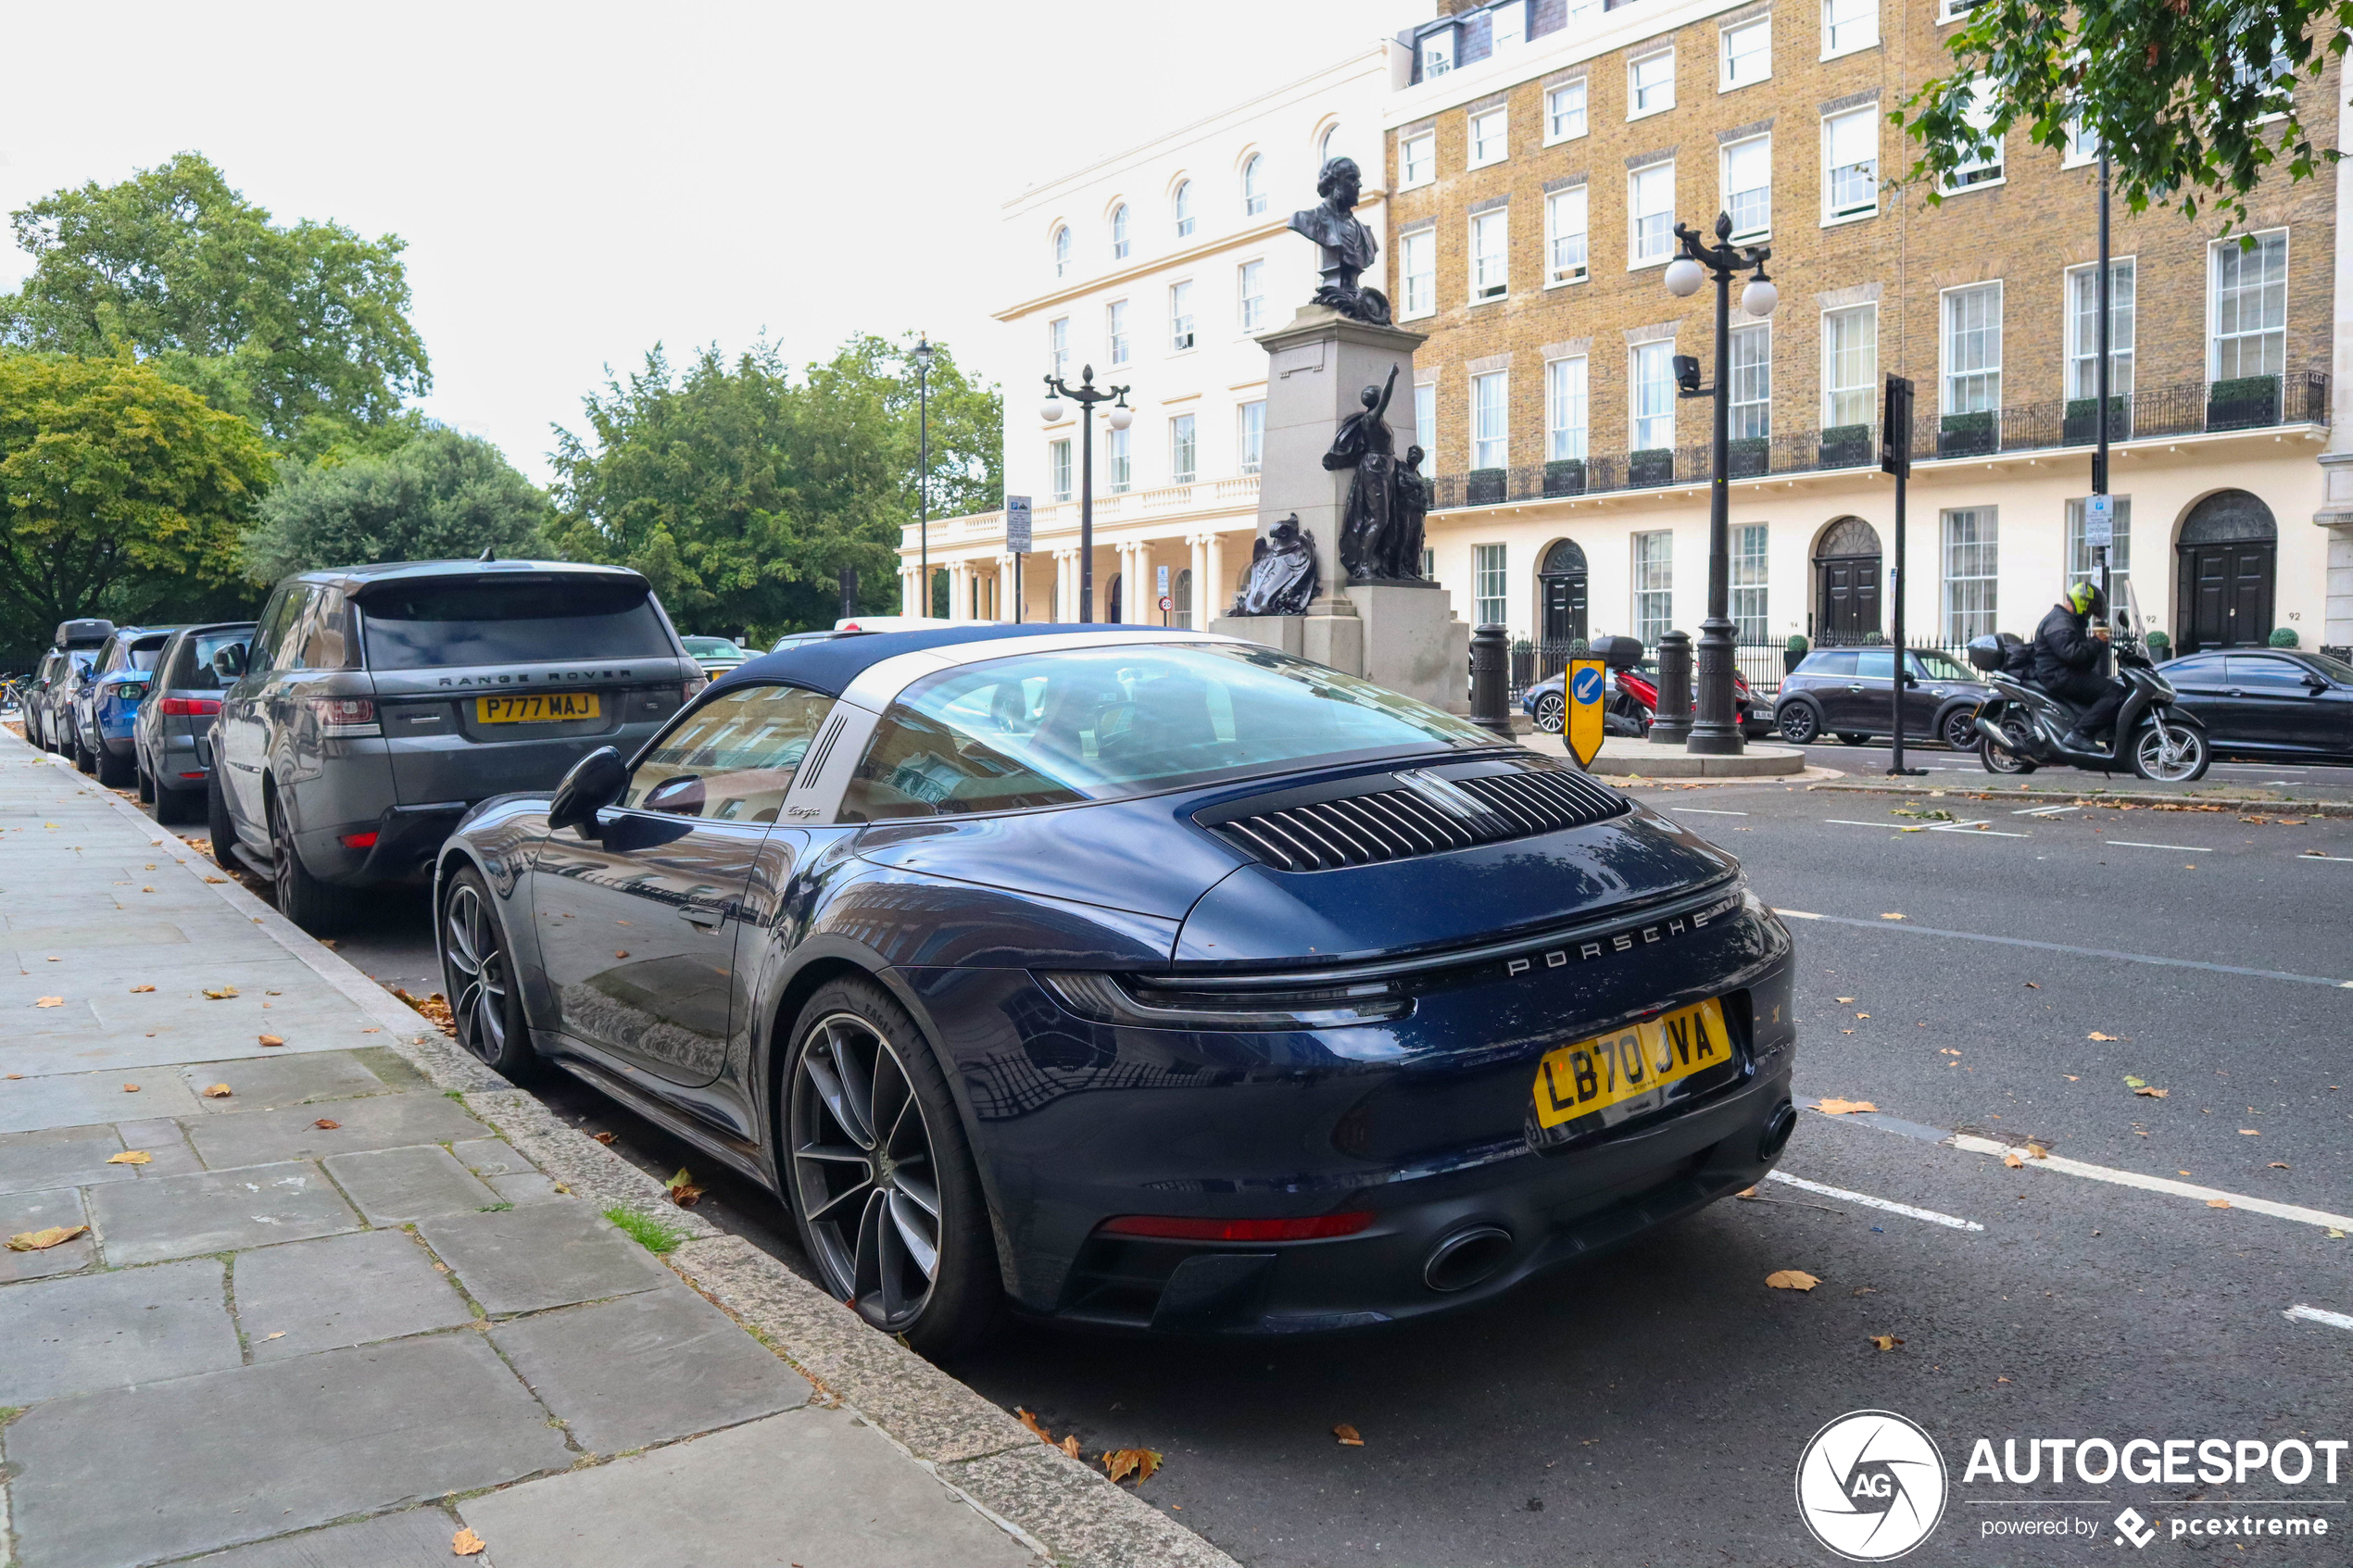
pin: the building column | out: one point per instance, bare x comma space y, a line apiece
1136, 597
907, 575
960, 590
1218, 599
1196, 562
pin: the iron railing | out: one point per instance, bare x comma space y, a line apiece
2152, 413
1761, 662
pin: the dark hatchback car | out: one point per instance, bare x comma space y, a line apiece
1135, 978
376, 704
2268, 705
171, 740
107, 702
69, 662
1847, 692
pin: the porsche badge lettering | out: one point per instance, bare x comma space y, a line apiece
1624, 941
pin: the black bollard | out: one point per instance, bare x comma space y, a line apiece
1672, 724
1489, 649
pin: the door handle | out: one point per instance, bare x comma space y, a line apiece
2235, 691
709, 919
1853, 688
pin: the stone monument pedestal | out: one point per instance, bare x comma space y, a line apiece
1414, 642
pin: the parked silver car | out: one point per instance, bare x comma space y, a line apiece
70, 660
171, 739
376, 704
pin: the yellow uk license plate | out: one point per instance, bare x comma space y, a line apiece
539, 707
1635, 1063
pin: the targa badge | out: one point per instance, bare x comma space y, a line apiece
1871, 1485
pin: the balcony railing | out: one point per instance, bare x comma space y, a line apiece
2153, 413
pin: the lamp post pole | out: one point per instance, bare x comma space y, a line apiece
1086, 395
923, 466
1716, 730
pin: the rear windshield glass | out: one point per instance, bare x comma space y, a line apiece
441, 622
195, 672
1051, 729
143, 655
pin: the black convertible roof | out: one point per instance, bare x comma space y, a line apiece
830, 666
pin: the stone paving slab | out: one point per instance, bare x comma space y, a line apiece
832, 1491
273, 1081
489, 1157
340, 1290
646, 1368
165, 1147
110, 1330
22, 1211
59, 1156
391, 1186
123, 1051
255, 1137
85, 1099
165, 1469
417, 1537
525, 1187
216, 1211
546, 1255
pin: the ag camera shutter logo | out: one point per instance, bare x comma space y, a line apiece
1871, 1486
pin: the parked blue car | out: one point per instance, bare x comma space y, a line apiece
1133, 977
106, 703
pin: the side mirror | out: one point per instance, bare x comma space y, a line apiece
594, 783
229, 662
682, 794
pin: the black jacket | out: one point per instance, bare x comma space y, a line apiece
2066, 657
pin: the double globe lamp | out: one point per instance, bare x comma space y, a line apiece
1086, 395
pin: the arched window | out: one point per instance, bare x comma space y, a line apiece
1062, 250
1119, 233
1184, 208
1253, 186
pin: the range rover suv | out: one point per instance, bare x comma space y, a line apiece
376, 704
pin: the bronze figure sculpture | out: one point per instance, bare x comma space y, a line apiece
1365, 443
1349, 247
1282, 578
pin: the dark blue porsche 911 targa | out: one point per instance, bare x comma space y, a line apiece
1133, 977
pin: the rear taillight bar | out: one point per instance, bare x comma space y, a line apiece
190, 707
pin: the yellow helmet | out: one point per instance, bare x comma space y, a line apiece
2082, 595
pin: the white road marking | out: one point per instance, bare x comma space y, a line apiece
1977, 829
1704, 811
2339, 859
1795, 914
2045, 810
1849, 823
2136, 844
2311, 1314
1930, 1215
2065, 1167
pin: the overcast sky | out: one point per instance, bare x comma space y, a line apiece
579, 181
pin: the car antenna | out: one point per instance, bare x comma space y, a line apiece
485, 552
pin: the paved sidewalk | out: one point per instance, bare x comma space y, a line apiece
357, 1295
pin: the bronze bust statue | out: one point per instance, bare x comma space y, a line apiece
1282, 578
1349, 247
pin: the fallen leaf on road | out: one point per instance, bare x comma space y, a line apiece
271, 1040
2249, 1132
2278, 1165
42, 1240
2032, 986
1842, 1107
1890, 917
1864, 1290
1745, 1192
1139, 1462
1034, 1425
15, 1074
2095, 1034
465, 1543
1790, 1279
2132, 1083
2217, 1203
2336, 1235
2071, 1077
217, 1091
621, 952
130, 1088
563, 1186
141, 990
2152, 1094
278, 1334
1847, 999
2012, 1161
1349, 1437
1884, 1341
605, 1137
50, 1002
1070, 1445
682, 1190
130, 1157
220, 992
326, 1123
2036, 1151
216, 879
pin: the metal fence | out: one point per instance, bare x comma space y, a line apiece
1761, 662
2186, 408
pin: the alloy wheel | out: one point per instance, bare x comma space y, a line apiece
1960, 729
478, 975
2167, 754
1551, 713
2014, 759
1798, 724
865, 1172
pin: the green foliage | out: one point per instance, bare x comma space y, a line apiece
2283, 636
1797, 642
303, 329
2178, 93
441, 496
121, 492
649, 1234
743, 495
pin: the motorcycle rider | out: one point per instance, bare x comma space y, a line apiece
2070, 652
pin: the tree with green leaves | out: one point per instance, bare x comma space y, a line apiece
442, 496
967, 420
303, 329
2180, 92
118, 490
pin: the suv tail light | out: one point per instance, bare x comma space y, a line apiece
345, 716
190, 707
694, 684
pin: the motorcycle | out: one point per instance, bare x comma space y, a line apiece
2023, 727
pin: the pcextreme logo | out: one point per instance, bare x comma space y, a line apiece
1871, 1486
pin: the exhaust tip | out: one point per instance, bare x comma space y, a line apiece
1777, 1132
1466, 1257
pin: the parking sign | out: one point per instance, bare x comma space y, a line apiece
1587, 689
1017, 523
2099, 521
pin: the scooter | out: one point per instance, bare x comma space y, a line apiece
2023, 726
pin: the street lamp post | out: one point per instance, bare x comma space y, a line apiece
1086, 395
923, 466
1717, 731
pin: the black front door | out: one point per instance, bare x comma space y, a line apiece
1565, 609
638, 922
2226, 595
1849, 598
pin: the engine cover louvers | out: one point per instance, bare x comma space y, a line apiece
1413, 811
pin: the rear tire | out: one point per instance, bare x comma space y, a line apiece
1855, 737
146, 784
1800, 724
878, 1173
173, 807
320, 907
222, 825
1995, 759
478, 977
